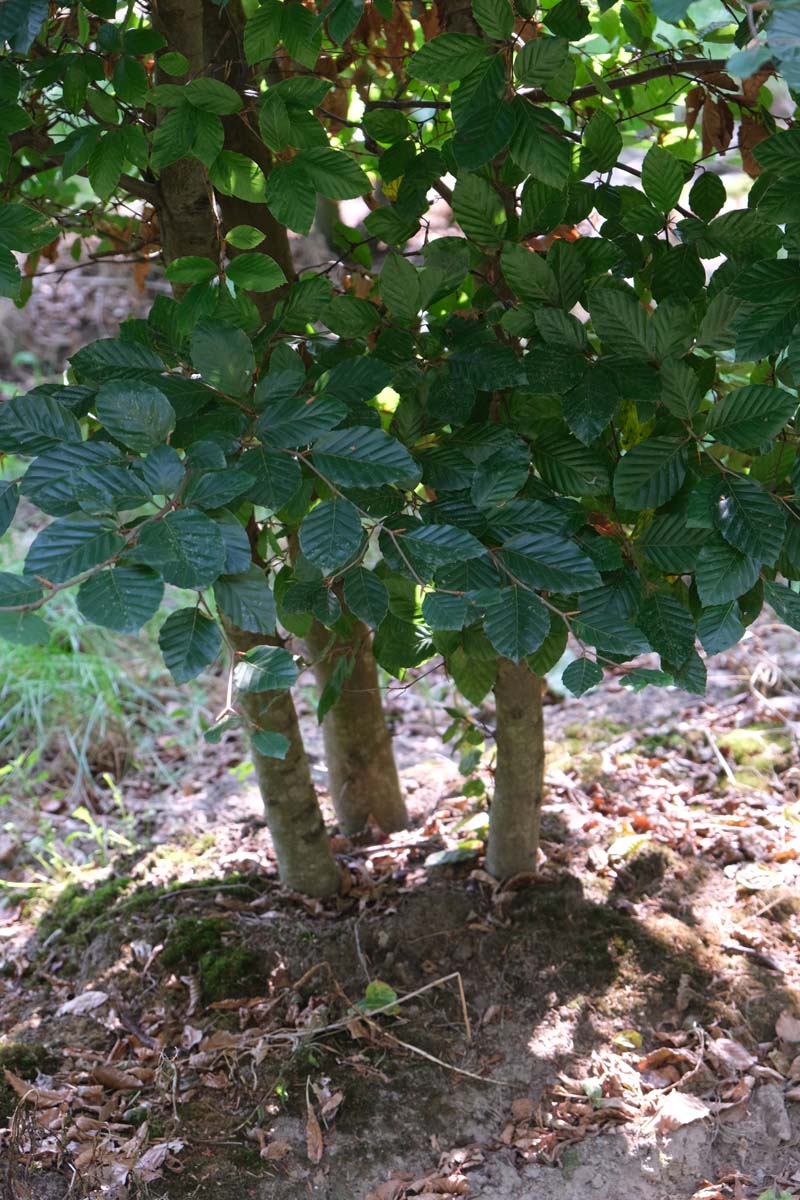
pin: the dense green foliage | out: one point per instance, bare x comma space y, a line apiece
573, 410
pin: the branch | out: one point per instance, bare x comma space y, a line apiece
688, 67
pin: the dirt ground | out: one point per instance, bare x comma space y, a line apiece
626, 1023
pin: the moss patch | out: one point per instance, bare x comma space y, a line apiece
78, 907
209, 947
757, 748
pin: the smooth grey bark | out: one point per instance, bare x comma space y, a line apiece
519, 771
362, 773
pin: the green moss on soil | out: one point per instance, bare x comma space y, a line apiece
78, 907
757, 748
226, 967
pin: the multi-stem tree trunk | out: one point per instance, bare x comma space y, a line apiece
519, 771
362, 774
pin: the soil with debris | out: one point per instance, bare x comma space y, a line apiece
626, 1022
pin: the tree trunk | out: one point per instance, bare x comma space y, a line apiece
188, 225
294, 819
519, 773
362, 774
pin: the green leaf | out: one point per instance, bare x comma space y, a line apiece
33, 424
377, 996
23, 229
234, 174
473, 677
447, 57
749, 418
569, 467
277, 477
185, 547
68, 548
122, 598
173, 63
516, 623
495, 17
707, 196
668, 626
620, 322
291, 196
540, 60
589, 407
366, 596
301, 36
662, 178
785, 602
537, 148
723, 573
603, 140
212, 96
23, 629
351, 317
269, 744
650, 474
362, 456
440, 544
548, 561
331, 534
18, 589
224, 356
106, 162
681, 392
9, 496
670, 545
581, 676
262, 31
265, 669
479, 210
295, 421
750, 519
244, 237
720, 627
255, 272
247, 600
441, 611
333, 173
400, 288
191, 269
189, 642
136, 414
672, 11
529, 275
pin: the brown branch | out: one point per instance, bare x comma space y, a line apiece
688, 67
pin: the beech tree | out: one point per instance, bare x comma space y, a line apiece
546, 387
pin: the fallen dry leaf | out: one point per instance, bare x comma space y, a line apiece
787, 1026
315, 1146
675, 1109
273, 1151
728, 1053
120, 1081
85, 1002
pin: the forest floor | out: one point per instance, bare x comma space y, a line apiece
624, 1024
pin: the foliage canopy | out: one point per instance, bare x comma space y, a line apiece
548, 385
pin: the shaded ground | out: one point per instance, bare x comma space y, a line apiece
635, 984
